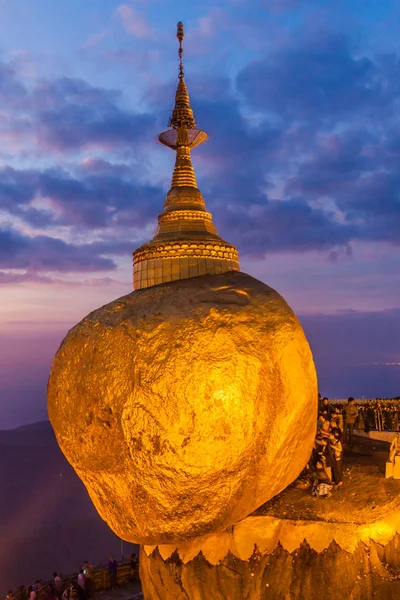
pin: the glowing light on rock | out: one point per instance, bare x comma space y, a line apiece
179, 405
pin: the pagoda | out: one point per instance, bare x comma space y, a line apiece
186, 243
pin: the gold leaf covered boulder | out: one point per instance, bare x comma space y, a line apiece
185, 406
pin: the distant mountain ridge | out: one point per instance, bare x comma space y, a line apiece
47, 521
36, 426
35, 434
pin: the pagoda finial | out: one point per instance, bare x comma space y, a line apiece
183, 134
180, 34
182, 113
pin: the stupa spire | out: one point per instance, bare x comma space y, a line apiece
186, 243
183, 135
182, 114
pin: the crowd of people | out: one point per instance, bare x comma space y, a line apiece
335, 424
80, 587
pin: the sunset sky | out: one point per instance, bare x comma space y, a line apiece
301, 100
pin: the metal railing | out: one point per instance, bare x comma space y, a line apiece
101, 578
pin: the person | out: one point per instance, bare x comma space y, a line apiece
335, 429
327, 458
49, 593
88, 571
394, 448
319, 446
38, 590
35, 591
395, 421
336, 454
322, 455
112, 572
22, 593
325, 427
58, 584
10, 595
70, 593
359, 424
81, 585
326, 408
322, 485
66, 593
337, 415
351, 412
134, 567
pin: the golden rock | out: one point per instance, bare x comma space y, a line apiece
185, 406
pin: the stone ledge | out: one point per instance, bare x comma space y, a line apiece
268, 532
371, 571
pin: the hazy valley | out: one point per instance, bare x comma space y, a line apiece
47, 521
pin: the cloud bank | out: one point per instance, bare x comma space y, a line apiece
303, 155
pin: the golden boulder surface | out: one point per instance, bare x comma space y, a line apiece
185, 406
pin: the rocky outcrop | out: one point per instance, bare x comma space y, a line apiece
179, 405
267, 558
369, 571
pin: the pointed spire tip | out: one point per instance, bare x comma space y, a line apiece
180, 34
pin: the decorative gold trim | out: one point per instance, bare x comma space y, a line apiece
178, 215
186, 250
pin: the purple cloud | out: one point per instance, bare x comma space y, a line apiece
105, 197
289, 224
68, 114
71, 114
293, 163
13, 93
48, 254
317, 78
12, 278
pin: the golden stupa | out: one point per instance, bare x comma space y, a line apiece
186, 243
179, 404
